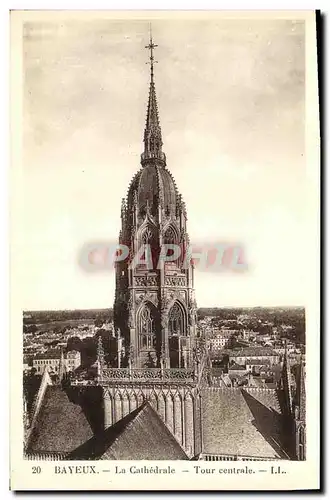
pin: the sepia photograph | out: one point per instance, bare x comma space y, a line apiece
160, 243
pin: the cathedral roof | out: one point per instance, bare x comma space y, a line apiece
61, 425
240, 421
63, 428
151, 186
141, 435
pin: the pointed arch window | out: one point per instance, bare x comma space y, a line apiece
301, 435
147, 335
301, 443
170, 236
176, 323
149, 237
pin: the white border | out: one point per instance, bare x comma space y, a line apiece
4, 51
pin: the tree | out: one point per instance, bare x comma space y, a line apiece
74, 344
88, 351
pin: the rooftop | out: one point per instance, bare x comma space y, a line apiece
235, 366
257, 361
253, 351
242, 422
61, 425
141, 435
50, 354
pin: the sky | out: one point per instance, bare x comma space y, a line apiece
231, 104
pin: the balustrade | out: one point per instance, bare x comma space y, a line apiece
142, 374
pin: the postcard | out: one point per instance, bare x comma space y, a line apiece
165, 197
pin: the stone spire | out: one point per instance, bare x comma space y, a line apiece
62, 367
100, 351
300, 414
100, 357
26, 420
301, 392
152, 133
286, 380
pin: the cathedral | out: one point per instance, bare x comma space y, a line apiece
160, 401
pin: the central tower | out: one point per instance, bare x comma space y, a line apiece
155, 307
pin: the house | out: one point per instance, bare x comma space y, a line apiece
235, 369
221, 338
240, 356
52, 358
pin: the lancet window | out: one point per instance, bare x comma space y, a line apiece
147, 335
176, 321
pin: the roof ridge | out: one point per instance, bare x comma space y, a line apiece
137, 412
140, 411
265, 389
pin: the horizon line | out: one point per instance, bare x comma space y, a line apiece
200, 307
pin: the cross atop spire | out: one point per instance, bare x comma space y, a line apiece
151, 61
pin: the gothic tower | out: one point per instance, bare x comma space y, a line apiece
155, 308
159, 361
